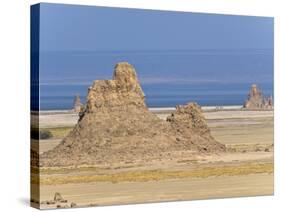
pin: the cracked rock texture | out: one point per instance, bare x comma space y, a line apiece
116, 126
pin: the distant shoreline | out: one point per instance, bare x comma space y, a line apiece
160, 110
152, 109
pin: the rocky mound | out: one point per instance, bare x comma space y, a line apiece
256, 100
116, 126
189, 119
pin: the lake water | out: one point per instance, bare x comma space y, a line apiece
168, 78
53, 97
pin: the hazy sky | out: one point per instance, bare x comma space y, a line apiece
81, 43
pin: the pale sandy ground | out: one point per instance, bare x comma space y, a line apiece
165, 190
57, 119
244, 130
68, 118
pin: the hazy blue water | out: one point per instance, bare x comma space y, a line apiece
158, 95
168, 78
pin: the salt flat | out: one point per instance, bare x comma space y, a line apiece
68, 118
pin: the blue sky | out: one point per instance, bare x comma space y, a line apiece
79, 44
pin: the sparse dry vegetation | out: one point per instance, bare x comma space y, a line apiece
37, 133
155, 175
60, 132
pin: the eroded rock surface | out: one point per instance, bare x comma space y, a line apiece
116, 126
256, 100
189, 120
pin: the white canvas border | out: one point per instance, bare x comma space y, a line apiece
14, 77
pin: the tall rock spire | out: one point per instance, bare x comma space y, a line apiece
116, 126
256, 100
77, 105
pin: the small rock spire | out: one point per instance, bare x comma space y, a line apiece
77, 104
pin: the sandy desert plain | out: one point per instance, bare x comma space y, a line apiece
245, 169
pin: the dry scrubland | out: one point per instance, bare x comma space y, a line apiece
245, 169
